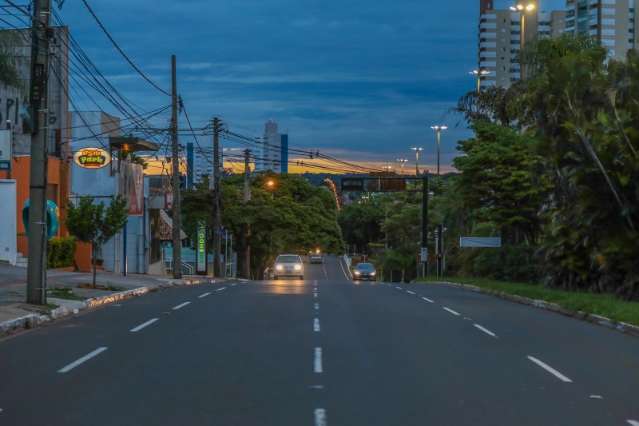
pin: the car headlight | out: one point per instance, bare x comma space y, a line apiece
279, 267
357, 273
373, 274
297, 267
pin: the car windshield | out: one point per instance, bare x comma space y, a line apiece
366, 267
288, 259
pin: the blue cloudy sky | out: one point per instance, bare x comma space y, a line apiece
358, 79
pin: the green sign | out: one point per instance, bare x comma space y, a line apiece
200, 250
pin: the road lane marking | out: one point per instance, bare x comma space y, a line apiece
317, 306
485, 330
144, 325
221, 289
316, 325
202, 296
320, 417
549, 369
633, 422
82, 360
318, 387
398, 288
596, 397
410, 292
451, 311
428, 300
233, 285
344, 270
324, 268
180, 306
315, 295
317, 363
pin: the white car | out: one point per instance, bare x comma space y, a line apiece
288, 265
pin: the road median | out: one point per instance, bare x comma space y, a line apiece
602, 309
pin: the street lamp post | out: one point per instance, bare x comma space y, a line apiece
402, 162
479, 74
417, 151
439, 246
524, 8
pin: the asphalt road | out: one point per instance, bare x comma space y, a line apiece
323, 351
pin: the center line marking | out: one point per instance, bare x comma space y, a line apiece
320, 417
633, 422
180, 306
410, 292
202, 296
317, 306
143, 325
317, 364
315, 295
485, 330
233, 285
399, 288
428, 300
82, 360
221, 289
451, 311
551, 370
316, 325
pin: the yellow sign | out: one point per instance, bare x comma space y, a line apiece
92, 158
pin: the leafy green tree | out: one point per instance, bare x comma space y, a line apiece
361, 222
96, 224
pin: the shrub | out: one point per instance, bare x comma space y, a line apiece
61, 252
508, 263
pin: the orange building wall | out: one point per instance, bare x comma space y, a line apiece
58, 179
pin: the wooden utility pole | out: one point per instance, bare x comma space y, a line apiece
38, 110
176, 207
217, 200
247, 227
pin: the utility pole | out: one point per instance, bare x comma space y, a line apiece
217, 200
37, 268
247, 227
424, 246
177, 223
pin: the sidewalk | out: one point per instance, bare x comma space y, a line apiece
70, 292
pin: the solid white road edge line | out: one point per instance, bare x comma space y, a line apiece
344, 271
82, 360
317, 362
549, 369
143, 325
320, 417
180, 306
451, 311
485, 330
316, 325
428, 300
202, 296
633, 422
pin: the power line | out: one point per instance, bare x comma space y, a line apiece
119, 49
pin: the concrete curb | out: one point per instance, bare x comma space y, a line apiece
35, 320
553, 307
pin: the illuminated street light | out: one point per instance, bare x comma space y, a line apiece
438, 133
479, 74
402, 162
417, 151
523, 8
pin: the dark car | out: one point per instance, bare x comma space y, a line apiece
364, 271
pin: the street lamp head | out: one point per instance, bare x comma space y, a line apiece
417, 149
521, 7
270, 184
439, 128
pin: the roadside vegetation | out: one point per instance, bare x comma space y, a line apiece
552, 169
286, 214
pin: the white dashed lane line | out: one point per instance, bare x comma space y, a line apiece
82, 360
180, 306
316, 325
551, 370
221, 289
633, 422
410, 292
202, 296
143, 325
317, 306
485, 330
320, 417
428, 300
451, 311
399, 288
317, 361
